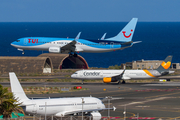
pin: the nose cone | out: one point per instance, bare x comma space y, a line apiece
16, 43
12, 44
73, 76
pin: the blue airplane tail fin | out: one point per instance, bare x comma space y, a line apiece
126, 33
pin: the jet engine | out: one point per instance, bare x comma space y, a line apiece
96, 115
54, 49
30, 109
109, 79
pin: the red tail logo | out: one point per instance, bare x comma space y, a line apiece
126, 35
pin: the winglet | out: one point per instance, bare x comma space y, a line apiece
77, 37
103, 36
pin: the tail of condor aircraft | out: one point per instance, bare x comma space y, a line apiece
163, 69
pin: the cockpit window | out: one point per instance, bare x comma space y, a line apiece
75, 73
17, 40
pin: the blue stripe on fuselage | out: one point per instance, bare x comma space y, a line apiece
35, 41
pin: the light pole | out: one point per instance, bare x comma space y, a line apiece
137, 116
82, 107
109, 98
45, 110
124, 112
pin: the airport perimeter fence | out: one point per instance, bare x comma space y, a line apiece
86, 118
57, 118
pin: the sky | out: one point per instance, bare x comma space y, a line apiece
89, 10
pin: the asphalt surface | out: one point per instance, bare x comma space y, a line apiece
154, 100
62, 77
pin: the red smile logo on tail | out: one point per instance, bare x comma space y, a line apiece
126, 35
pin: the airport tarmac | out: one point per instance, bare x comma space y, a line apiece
147, 100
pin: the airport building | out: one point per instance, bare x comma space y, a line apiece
142, 64
175, 66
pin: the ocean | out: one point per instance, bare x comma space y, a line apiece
159, 39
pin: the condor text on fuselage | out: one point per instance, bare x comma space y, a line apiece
91, 73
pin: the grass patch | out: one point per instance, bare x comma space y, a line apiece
49, 90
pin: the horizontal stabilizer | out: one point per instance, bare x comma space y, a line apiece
137, 42
127, 43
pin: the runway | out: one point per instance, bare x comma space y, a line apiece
153, 100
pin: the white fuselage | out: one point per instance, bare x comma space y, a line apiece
128, 74
61, 106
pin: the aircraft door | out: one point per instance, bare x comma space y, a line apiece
101, 74
126, 73
111, 44
81, 73
25, 41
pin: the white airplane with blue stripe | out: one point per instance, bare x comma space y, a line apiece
73, 45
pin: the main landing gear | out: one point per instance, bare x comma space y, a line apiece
82, 82
123, 82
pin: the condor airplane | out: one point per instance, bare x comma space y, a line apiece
117, 75
74, 45
58, 107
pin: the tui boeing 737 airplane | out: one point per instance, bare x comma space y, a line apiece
73, 45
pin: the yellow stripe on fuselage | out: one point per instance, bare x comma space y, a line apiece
147, 72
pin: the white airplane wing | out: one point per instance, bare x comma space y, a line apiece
61, 114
